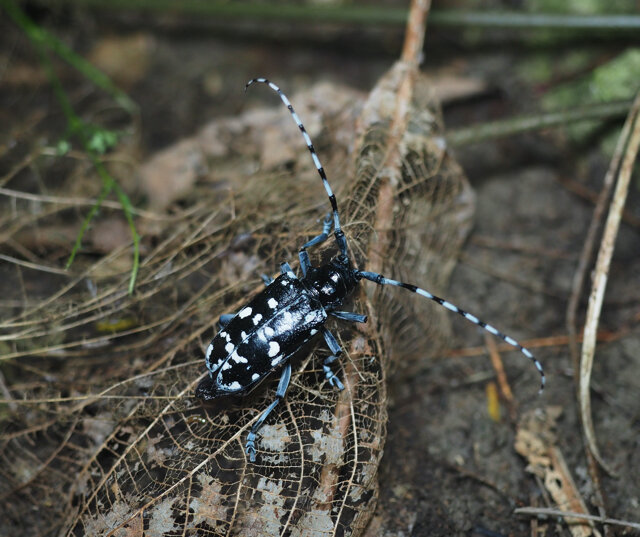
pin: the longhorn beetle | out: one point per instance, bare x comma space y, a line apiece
279, 321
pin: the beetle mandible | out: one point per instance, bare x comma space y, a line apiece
279, 321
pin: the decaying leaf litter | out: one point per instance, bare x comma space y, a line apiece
207, 261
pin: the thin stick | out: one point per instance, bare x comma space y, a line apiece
401, 83
416, 27
600, 281
547, 512
509, 127
503, 382
589, 244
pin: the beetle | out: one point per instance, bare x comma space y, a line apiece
290, 311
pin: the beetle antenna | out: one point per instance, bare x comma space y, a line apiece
381, 280
337, 230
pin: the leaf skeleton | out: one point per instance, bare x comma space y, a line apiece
279, 321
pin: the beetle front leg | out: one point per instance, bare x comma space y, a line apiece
250, 446
305, 264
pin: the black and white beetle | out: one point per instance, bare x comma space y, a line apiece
264, 334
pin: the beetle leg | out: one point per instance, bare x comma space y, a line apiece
250, 446
334, 347
332, 343
349, 316
268, 280
330, 375
305, 264
285, 268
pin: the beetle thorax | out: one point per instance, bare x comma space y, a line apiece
332, 282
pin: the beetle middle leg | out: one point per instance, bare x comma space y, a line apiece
250, 446
336, 351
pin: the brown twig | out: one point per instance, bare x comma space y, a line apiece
537, 343
402, 88
503, 382
416, 26
546, 512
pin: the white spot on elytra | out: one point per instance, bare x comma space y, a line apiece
243, 335
227, 337
276, 361
273, 303
334, 277
245, 312
255, 377
287, 321
238, 359
229, 347
257, 318
313, 331
310, 317
223, 333
274, 349
226, 366
209, 349
233, 386
268, 331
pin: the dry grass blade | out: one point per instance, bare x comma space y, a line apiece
556, 513
587, 250
600, 281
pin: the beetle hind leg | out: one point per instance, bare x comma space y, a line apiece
250, 446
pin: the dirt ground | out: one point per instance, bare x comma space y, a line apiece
450, 466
